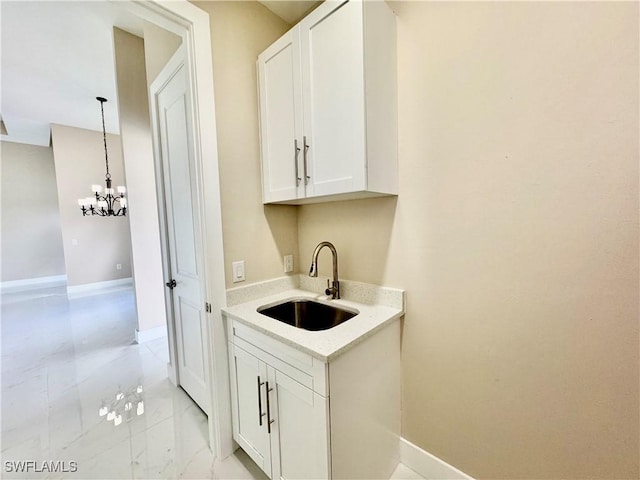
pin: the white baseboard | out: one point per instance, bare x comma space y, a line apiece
33, 283
427, 465
97, 288
151, 334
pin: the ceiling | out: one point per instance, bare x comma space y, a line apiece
57, 56
290, 11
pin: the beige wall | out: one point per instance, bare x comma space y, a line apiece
103, 242
137, 149
515, 235
159, 46
31, 232
256, 234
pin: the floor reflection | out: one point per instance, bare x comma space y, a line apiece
123, 405
63, 364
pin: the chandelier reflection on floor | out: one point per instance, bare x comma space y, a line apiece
123, 405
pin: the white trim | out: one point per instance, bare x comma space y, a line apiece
151, 334
33, 283
199, 58
97, 288
192, 24
428, 465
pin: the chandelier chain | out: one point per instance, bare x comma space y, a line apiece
104, 139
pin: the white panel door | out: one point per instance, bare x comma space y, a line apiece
185, 244
248, 402
299, 432
333, 91
281, 119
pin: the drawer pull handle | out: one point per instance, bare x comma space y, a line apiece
260, 414
269, 420
296, 150
304, 158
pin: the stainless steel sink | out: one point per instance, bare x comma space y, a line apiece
308, 314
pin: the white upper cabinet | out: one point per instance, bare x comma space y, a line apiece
281, 119
328, 106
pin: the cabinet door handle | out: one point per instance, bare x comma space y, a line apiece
260, 414
304, 157
269, 420
296, 152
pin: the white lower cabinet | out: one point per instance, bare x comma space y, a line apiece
280, 423
298, 417
248, 376
299, 447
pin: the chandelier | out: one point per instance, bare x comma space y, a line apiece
109, 204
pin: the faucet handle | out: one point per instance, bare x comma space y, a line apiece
328, 290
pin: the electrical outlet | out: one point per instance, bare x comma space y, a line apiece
118, 266
238, 271
288, 263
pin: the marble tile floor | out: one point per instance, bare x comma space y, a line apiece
61, 359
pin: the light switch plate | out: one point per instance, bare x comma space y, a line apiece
238, 271
288, 263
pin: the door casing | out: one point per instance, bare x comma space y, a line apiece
192, 24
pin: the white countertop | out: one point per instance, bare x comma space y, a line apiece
325, 345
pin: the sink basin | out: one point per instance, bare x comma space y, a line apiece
308, 314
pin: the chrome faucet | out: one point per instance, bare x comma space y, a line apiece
334, 289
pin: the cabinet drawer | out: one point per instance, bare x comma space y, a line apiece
301, 366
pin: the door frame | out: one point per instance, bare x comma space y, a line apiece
192, 24
176, 63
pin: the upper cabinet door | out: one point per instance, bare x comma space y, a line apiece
332, 56
281, 119
328, 106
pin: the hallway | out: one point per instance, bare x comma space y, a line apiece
60, 360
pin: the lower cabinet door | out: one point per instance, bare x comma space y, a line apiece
248, 403
299, 429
